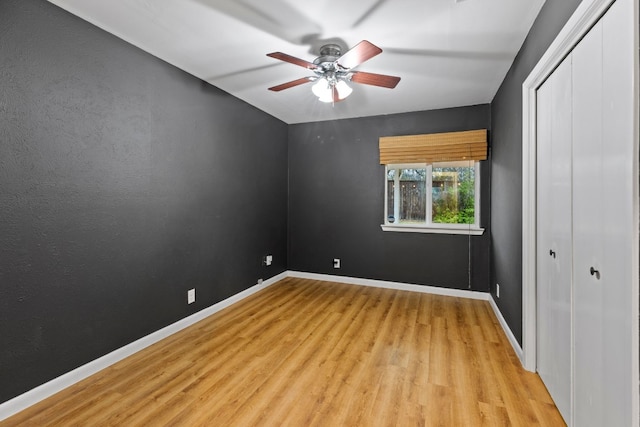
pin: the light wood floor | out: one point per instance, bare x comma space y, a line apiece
303, 353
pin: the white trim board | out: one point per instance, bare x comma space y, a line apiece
505, 327
33, 396
460, 293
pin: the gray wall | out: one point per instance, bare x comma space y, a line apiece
336, 204
123, 183
506, 184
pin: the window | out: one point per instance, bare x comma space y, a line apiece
440, 197
433, 181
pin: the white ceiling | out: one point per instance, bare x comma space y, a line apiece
448, 52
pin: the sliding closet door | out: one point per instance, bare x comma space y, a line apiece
554, 250
602, 209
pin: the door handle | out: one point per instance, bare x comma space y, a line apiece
595, 272
552, 253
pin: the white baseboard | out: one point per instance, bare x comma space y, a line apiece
507, 330
391, 285
58, 384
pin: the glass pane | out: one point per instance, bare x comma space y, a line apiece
453, 193
412, 193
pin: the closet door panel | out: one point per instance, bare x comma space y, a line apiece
545, 330
617, 205
561, 234
554, 243
589, 372
603, 216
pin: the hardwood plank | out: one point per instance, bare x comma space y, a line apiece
304, 352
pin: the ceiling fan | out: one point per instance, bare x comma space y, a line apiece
333, 70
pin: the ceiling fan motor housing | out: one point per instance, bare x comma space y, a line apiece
329, 53
329, 68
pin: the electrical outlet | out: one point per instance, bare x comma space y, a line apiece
269, 259
336, 263
191, 296
498, 290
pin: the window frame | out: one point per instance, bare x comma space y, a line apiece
429, 226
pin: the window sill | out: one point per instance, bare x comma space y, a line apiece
474, 231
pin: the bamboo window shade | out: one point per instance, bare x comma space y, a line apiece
434, 147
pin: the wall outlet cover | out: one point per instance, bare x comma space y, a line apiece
191, 296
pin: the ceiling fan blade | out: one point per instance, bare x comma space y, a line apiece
292, 83
278, 18
368, 13
373, 79
293, 60
361, 52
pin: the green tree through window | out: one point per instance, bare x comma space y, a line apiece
453, 195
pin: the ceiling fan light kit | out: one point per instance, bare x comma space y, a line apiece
333, 70
324, 89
